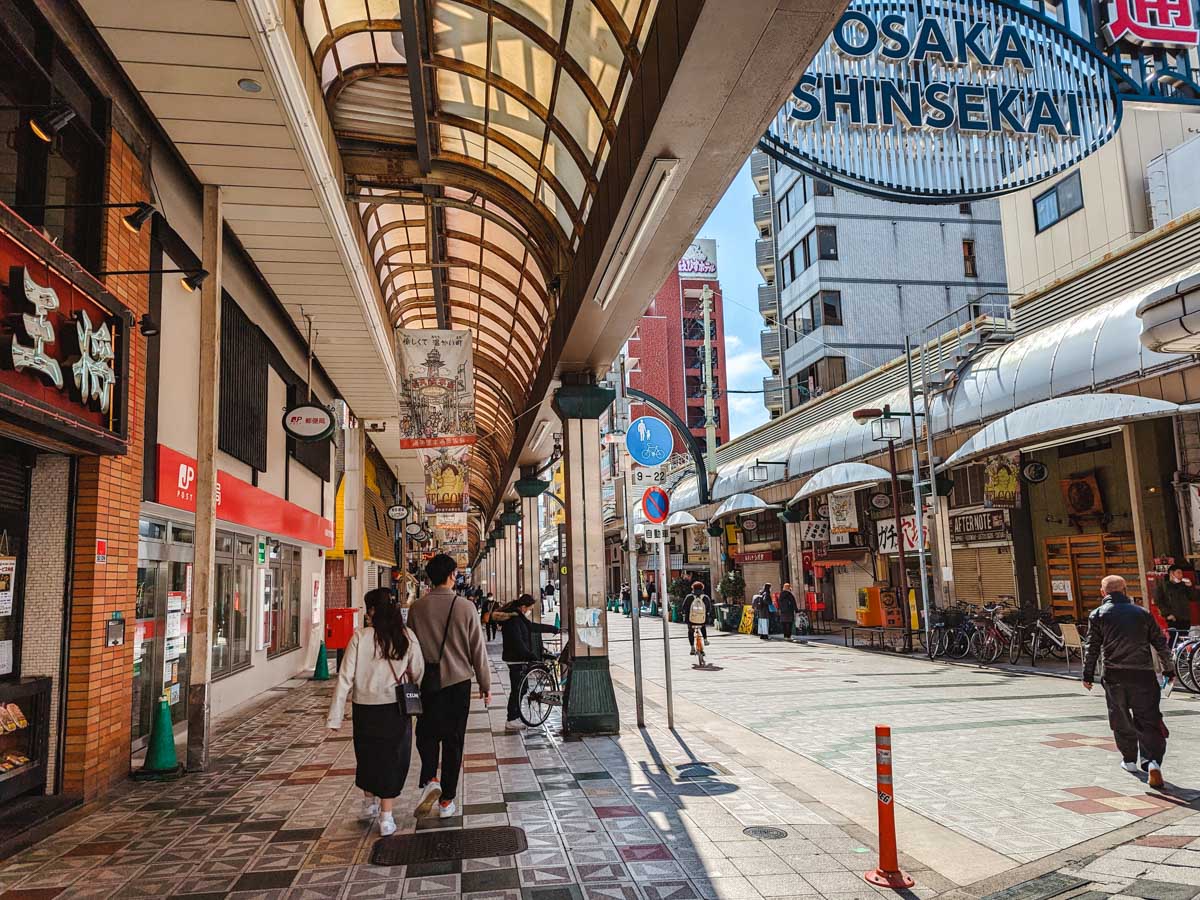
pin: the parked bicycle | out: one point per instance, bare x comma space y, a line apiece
544, 685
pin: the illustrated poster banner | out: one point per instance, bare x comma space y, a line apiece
437, 390
1001, 481
450, 532
8, 576
447, 479
843, 514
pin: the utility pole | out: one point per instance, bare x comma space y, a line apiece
631, 545
710, 424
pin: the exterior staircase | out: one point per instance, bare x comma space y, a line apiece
964, 334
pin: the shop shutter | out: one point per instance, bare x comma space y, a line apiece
846, 583
13, 482
759, 573
967, 585
983, 574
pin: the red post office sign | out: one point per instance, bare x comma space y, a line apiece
239, 501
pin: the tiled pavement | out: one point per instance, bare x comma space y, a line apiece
277, 817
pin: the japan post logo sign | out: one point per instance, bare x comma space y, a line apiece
1152, 23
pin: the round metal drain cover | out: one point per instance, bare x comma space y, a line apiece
764, 833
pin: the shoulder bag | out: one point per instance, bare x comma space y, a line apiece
432, 682
408, 695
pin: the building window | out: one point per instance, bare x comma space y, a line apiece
242, 415
831, 307
822, 188
284, 632
968, 486
970, 270
1060, 201
827, 242
964, 209
231, 611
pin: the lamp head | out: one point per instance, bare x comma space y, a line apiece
46, 124
866, 415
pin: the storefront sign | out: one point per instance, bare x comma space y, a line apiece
397, 512
756, 556
8, 578
308, 422
946, 100
1001, 483
843, 513
885, 533
978, 527
814, 530
239, 502
317, 603
700, 260
1152, 23
447, 477
63, 342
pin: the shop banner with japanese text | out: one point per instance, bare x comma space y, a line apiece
843, 513
450, 535
437, 388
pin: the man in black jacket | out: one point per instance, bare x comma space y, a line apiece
787, 610
518, 652
1130, 637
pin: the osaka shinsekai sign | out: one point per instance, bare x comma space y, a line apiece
944, 100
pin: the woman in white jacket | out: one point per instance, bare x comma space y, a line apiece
376, 659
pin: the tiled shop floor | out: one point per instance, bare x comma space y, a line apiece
277, 816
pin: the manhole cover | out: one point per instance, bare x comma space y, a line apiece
451, 844
764, 833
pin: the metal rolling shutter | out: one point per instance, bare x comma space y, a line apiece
759, 573
983, 574
846, 583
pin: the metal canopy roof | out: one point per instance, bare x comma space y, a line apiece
740, 503
841, 476
495, 121
1058, 417
682, 519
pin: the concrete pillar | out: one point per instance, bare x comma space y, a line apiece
591, 704
716, 568
511, 521
203, 572
530, 487
1134, 475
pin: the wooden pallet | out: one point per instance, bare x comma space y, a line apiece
1082, 560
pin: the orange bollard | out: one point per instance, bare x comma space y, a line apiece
888, 873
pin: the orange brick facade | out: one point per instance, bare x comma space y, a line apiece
100, 679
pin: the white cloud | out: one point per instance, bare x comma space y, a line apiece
745, 368
732, 342
746, 412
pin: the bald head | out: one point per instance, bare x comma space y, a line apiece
1112, 584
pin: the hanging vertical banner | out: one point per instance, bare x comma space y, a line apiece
843, 514
450, 535
1001, 481
437, 390
447, 478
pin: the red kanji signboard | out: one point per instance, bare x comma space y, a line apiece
1168, 23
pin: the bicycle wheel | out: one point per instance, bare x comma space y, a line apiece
993, 645
1185, 667
1014, 646
534, 706
959, 644
1058, 647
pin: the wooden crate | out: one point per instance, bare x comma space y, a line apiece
1082, 560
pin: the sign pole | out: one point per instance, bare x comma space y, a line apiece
635, 601
918, 505
662, 608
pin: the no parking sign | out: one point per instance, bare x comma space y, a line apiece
656, 505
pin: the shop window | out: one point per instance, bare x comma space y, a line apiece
232, 606
1056, 204
37, 72
242, 431
970, 269
182, 534
151, 530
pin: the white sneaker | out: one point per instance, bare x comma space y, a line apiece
370, 808
514, 725
1129, 766
387, 824
430, 794
447, 809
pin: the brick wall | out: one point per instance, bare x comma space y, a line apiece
41, 638
99, 679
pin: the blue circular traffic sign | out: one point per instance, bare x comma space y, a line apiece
656, 505
649, 441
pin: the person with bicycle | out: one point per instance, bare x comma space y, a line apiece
1173, 597
697, 612
1129, 638
517, 630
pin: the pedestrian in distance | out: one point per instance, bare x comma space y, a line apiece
454, 650
787, 610
626, 599
489, 617
762, 612
698, 613
518, 630
1174, 600
1129, 638
378, 656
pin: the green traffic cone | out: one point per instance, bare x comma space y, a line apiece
557, 623
321, 672
161, 762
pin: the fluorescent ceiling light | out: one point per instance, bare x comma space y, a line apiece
647, 210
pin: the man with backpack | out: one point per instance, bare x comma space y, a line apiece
697, 612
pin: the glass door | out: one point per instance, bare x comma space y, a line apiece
147, 652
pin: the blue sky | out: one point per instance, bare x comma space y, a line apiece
732, 226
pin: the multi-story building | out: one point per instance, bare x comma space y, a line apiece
667, 348
848, 276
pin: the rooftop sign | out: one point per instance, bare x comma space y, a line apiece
946, 100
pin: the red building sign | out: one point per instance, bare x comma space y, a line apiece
63, 343
239, 501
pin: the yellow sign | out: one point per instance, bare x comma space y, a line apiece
747, 624
558, 517
563, 570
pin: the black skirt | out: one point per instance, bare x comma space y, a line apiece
382, 749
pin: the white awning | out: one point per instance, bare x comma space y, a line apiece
682, 519
686, 494
1060, 417
841, 477
740, 503
734, 476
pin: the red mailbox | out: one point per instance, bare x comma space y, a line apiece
340, 623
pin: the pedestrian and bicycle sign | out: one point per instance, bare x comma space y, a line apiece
649, 441
656, 505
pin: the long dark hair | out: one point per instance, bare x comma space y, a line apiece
523, 602
388, 621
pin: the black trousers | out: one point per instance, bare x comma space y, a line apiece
1134, 715
441, 734
786, 626
515, 674
491, 629
692, 634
